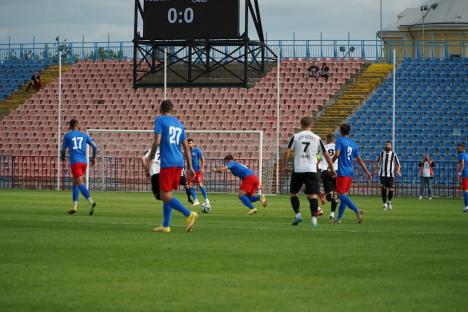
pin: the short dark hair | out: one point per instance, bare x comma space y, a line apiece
189, 140
306, 122
331, 137
389, 142
462, 145
228, 157
345, 129
166, 106
73, 123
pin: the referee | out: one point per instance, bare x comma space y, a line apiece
388, 165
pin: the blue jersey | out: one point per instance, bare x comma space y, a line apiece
197, 155
348, 151
172, 135
77, 144
239, 170
464, 157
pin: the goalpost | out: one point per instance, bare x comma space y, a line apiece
117, 145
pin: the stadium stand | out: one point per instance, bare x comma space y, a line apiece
431, 110
13, 75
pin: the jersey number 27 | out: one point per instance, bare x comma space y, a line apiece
174, 135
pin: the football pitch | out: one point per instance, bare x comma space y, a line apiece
413, 258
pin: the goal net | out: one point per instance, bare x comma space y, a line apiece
118, 164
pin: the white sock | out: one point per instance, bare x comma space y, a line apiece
90, 200
314, 220
75, 205
332, 214
207, 201
298, 215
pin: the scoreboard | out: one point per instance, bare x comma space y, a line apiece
190, 19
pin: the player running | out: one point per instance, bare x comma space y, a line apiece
306, 146
462, 172
77, 143
169, 136
198, 163
249, 183
346, 151
388, 165
328, 180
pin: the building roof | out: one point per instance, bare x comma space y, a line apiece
447, 12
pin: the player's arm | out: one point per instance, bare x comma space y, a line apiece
63, 150
220, 169
287, 153
202, 162
94, 148
461, 166
154, 147
188, 158
397, 166
327, 158
336, 155
145, 162
363, 165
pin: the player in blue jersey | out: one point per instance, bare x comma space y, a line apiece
198, 163
249, 185
77, 143
346, 151
169, 136
462, 172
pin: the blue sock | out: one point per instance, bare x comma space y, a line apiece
466, 199
194, 193
254, 198
203, 191
341, 210
177, 205
345, 199
167, 213
246, 201
84, 191
76, 193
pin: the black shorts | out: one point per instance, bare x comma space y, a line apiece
387, 182
309, 179
329, 183
155, 185
183, 180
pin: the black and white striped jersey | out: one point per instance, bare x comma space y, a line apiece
387, 162
306, 146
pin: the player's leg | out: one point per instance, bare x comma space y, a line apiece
78, 171
192, 191
390, 186
383, 192
245, 191
329, 187
199, 179
429, 188
312, 190
184, 182
343, 184
421, 188
295, 186
465, 193
155, 186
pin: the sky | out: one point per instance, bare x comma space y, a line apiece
21, 20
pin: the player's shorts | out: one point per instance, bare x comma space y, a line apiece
250, 184
78, 170
465, 184
329, 183
387, 182
197, 179
183, 180
169, 179
343, 184
155, 186
311, 181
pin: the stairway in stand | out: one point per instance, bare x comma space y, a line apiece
351, 98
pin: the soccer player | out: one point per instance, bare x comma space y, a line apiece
77, 143
462, 172
249, 185
328, 180
306, 146
346, 151
198, 163
388, 165
169, 136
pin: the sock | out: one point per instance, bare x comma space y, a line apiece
313, 206
177, 205
193, 193
76, 193
333, 206
295, 204
341, 210
348, 202
75, 205
84, 191
298, 215
390, 195
384, 195
167, 214
466, 198
254, 198
203, 191
187, 191
246, 201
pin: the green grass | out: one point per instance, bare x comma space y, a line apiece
414, 258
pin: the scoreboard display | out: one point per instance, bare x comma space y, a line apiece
190, 19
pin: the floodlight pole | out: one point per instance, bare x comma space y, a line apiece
394, 99
165, 73
278, 99
59, 113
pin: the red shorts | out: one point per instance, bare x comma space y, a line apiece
250, 184
465, 184
196, 179
343, 184
78, 170
169, 179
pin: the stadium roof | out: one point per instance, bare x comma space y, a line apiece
452, 13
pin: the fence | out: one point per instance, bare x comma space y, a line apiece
123, 50
127, 174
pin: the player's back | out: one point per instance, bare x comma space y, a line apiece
348, 151
239, 170
172, 135
464, 156
330, 149
77, 144
306, 145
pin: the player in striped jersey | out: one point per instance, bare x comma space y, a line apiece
388, 166
328, 181
462, 172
